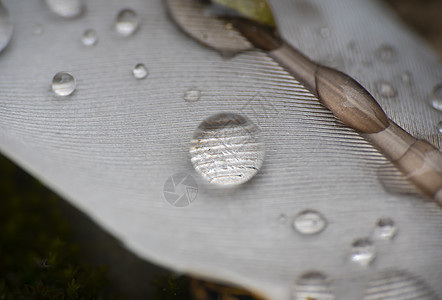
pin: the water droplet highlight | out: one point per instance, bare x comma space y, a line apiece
140, 71
313, 285
89, 38
385, 229
127, 22
439, 127
192, 95
386, 89
363, 252
398, 284
226, 149
309, 222
436, 97
6, 27
386, 53
66, 8
63, 84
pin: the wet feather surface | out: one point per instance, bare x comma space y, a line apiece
110, 147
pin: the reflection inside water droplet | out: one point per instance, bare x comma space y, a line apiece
89, 37
439, 127
192, 95
363, 252
66, 8
6, 27
386, 89
313, 285
127, 22
226, 149
140, 71
385, 229
309, 222
436, 97
63, 84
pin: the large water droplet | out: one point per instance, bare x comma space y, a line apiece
226, 149
140, 71
398, 285
5, 27
313, 285
436, 97
127, 22
363, 251
192, 95
89, 37
386, 89
309, 222
385, 229
63, 84
66, 8
386, 53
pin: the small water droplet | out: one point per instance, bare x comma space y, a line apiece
6, 27
386, 89
398, 284
127, 22
406, 77
226, 149
324, 32
313, 286
192, 95
363, 251
386, 53
436, 97
385, 229
89, 37
37, 29
309, 222
66, 8
140, 71
439, 127
282, 218
63, 84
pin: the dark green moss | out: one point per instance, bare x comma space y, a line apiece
172, 287
37, 261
